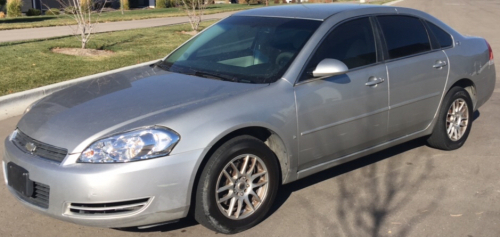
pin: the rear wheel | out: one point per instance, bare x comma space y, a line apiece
454, 121
237, 186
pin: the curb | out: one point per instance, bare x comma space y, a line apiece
392, 3
15, 104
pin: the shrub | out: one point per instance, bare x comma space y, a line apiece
161, 3
14, 8
2, 3
251, 2
86, 5
70, 10
165, 3
33, 12
126, 5
53, 11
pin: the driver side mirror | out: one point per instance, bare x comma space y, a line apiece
330, 67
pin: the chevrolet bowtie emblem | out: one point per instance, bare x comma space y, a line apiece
30, 146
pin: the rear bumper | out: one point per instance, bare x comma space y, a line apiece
162, 185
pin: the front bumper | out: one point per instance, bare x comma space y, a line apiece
163, 184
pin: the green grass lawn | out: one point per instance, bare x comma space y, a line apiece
28, 65
44, 21
31, 64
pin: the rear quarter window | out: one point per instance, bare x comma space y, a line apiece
442, 36
404, 35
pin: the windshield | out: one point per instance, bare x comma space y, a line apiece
243, 49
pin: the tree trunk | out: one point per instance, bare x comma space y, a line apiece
84, 38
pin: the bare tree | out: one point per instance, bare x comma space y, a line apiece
194, 9
86, 14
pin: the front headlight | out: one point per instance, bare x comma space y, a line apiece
135, 145
13, 135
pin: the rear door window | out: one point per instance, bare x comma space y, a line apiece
404, 35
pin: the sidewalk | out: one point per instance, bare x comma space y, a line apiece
56, 31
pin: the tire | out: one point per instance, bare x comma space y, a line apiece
440, 138
212, 208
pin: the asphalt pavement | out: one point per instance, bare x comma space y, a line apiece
407, 190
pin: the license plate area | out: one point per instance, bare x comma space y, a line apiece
19, 179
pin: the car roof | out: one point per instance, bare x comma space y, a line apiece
305, 11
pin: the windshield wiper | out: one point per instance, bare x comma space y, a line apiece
217, 76
162, 65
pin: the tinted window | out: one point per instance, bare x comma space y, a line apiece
243, 49
351, 42
404, 35
442, 37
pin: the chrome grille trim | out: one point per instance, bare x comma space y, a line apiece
42, 150
107, 209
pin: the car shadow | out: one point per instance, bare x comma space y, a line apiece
476, 115
286, 190
391, 181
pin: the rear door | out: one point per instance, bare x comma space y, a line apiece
417, 74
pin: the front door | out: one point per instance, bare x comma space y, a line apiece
346, 113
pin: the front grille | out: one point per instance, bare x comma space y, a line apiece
100, 209
40, 195
41, 149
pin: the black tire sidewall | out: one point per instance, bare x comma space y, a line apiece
208, 180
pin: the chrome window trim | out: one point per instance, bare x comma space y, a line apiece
417, 54
451, 35
407, 56
409, 14
383, 60
285, 17
412, 55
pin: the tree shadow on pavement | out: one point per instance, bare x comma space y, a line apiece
362, 200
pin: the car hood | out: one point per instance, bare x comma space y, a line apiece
72, 115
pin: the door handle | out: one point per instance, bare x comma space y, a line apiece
373, 81
440, 64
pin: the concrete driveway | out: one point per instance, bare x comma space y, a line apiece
57, 31
408, 190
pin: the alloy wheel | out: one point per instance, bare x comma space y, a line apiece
457, 119
242, 186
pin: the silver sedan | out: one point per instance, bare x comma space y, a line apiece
259, 99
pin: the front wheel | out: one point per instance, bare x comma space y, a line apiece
237, 186
454, 121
